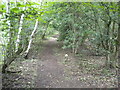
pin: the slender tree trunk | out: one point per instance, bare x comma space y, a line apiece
8, 49
109, 54
118, 47
44, 33
31, 38
10, 53
20, 29
10, 60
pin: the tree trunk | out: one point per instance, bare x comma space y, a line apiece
9, 39
108, 54
44, 33
31, 38
20, 29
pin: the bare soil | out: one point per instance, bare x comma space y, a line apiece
49, 66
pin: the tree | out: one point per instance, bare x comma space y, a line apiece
15, 45
74, 23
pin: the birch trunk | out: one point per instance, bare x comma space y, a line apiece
10, 55
20, 29
7, 13
31, 38
9, 35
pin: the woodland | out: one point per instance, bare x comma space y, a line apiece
59, 44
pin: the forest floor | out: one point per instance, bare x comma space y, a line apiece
50, 66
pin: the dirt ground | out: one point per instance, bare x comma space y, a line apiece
49, 66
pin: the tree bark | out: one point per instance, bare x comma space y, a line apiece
9, 39
31, 38
20, 29
44, 33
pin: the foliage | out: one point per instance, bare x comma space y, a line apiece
93, 24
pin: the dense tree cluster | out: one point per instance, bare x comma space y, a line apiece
96, 24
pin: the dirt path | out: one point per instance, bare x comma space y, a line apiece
58, 68
50, 71
49, 66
